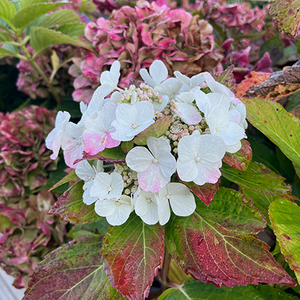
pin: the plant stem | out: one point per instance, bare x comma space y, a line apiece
39, 70
165, 269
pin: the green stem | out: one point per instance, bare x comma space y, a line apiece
39, 70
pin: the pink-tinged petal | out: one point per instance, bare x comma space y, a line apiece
152, 180
139, 159
72, 155
93, 142
85, 171
105, 208
81, 82
182, 201
207, 172
188, 113
109, 142
187, 171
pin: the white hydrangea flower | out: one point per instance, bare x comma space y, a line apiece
190, 83
200, 157
146, 207
154, 167
180, 198
107, 186
97, 134
132, 119
169, 88
158, 73
116, 211
87, 172
55, 137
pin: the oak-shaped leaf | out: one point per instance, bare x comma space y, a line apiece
286, 15
70, 207
240, 159
196, 290
281, 127
218, 243
279, 85
156, 130
73, 271
205, 192
285, 217
133, 253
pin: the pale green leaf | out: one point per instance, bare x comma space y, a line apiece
24, 3
42, 38
25, 16
7, 11
72, 30
286, 15
285, 217
11, 48
281, 127
60, 17
5, 37
4, 52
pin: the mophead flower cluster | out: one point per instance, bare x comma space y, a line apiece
170, 132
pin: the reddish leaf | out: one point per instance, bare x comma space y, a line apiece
241, 159
72, 272
253, 79
204, 192
70, 207
133, 252
217, 244
156, 130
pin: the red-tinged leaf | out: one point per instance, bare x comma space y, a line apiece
71, 176
133, 252
127, 146
70, 207
72, 272
285, 217
204, 192
217, 244
156, 130
241, 159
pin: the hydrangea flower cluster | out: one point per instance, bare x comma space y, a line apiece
170, 133
139, 35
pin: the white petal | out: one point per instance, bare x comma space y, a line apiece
145, 113
105, 208
207, 172
202, 101
234, 148
100, 186
217, 87
117, 185
87, 199
186, 97
219, 99
85, 171
182, 78
232, 133
126, 114
160, 106
139, 159
120, 215
188, 113
188, 147
146, 77
157, 144
163, 207
169, 87
158, 71
167, 163
187, 170
146, 208
211, 148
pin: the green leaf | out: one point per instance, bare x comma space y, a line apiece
60, 17
73, 271
156, 130
71, 176
42, 38
25, 3
4, 52
70, 207
286, 15
294, 102
133, 252
7, 11
114, 155
281, 127
217, 243
275, 48
285, 217
72, 30
240, 159
5, 38
200, 291
24, 17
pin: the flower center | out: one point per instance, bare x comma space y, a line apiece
168, 196
110, 189
134, 126
197, 159
118, 203
149, 200
155, 161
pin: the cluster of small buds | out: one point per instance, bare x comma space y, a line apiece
129, 177
143, 93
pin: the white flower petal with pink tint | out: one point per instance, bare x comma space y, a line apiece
55, 137
188, 113
73, 154
158, 73
97, 136
154, 167
107, 186
132, 119
146, 207
181, 199
199, 158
